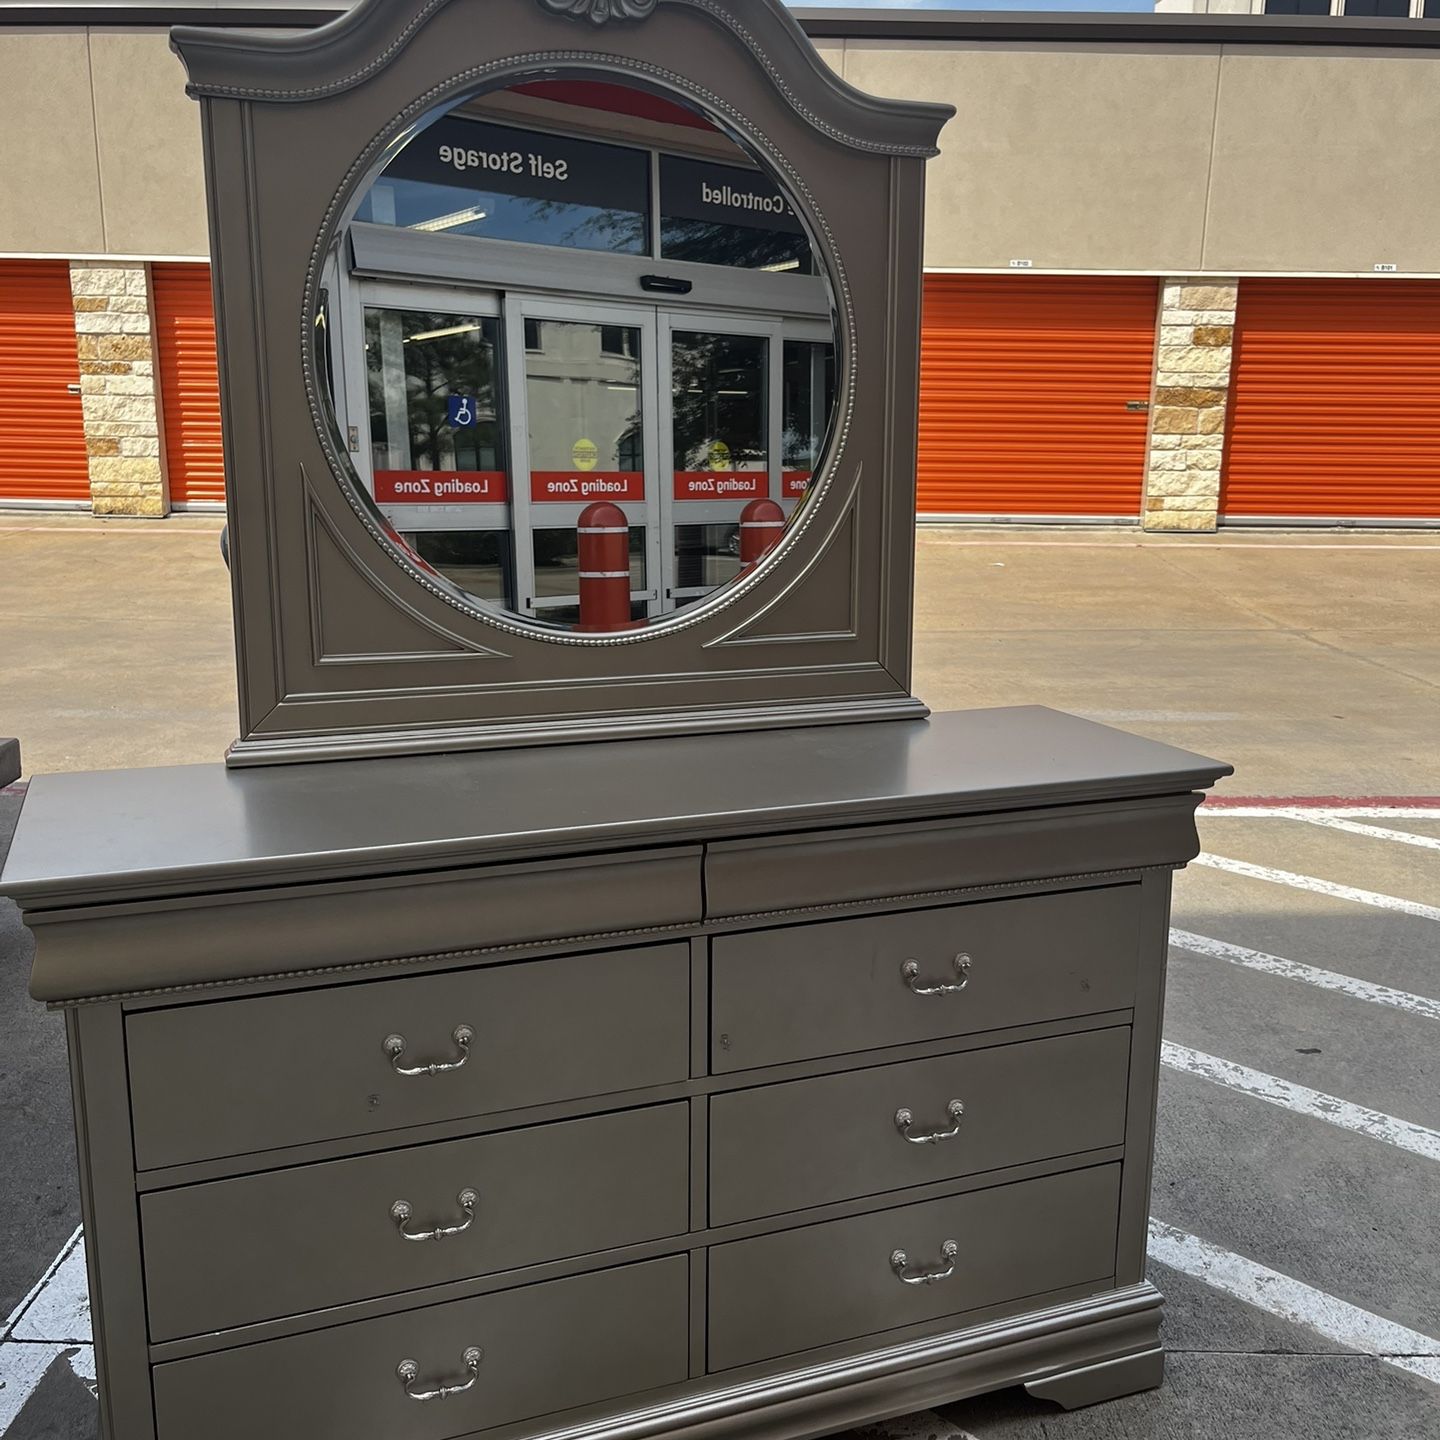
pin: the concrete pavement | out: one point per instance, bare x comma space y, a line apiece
1296, 1234
1308, 660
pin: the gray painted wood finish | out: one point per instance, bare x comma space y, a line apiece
717, 1223
546, 1348
841, 986
293, 128
786, 1147
778, 1294
322, 1235
199, 829
241, 1075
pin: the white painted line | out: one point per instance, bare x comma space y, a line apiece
60, 1311
52, 1320
40, 1284
1404, 1134
1372, 832
1356, 989
1320, 887
1280, 1295
22, 1368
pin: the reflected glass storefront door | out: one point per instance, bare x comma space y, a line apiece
494, 421
584, 417
721, 447
437, 458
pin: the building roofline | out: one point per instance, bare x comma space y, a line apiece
1111, 27
825, 23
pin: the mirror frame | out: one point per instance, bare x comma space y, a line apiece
343, 653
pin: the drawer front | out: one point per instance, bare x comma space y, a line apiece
263, 1246
236, 1076
809, 1142
779, 1294
806, 990
544, 1348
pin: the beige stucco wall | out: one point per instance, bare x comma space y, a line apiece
1171, 159
1165, 159
101, 152
1069, 158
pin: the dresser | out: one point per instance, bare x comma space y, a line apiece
760, 1084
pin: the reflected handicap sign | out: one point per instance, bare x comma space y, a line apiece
462, 410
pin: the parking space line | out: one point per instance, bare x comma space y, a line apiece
1302, 1100
1293, 1300
1371, 832
15, 1316
1356, 989
1321, 887
30, 1342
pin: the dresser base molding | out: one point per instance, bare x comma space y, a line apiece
1076, 1353
1108, 1380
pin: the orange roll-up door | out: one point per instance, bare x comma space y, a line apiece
189, 382
1335, 401
1024, 384
42, 427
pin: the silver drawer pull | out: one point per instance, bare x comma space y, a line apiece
910, 973
408, 1370
955, 1110
400, 1213
462, 1035
949, 1253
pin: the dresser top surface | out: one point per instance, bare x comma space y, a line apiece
185, 830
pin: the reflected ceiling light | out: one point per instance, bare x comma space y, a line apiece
437, 334
778, 265
450, 221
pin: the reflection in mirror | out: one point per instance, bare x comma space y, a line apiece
581, 353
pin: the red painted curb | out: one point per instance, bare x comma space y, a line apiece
1324, 802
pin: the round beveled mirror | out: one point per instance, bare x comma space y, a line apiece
581, 354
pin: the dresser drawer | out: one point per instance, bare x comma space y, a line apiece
544, 1348
799, 1289
828, 989
237, 1076
268, 1245
809, 1142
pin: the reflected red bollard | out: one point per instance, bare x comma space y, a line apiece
604, 547
761, 522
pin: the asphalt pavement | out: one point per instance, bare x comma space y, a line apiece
1296, 1229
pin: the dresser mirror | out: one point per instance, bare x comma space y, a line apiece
580, 352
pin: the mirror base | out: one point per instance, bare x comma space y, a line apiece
430, 739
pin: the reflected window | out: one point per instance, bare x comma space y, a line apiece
435, 435
437, 439
705, 556
557, 565
725, 215
719, 421
468, 177
808, 391
582, 400
478, 561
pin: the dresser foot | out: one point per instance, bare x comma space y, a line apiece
1108, 1380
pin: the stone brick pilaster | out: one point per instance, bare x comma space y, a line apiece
114, 334
1187, 414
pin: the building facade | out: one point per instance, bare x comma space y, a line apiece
1181, 270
